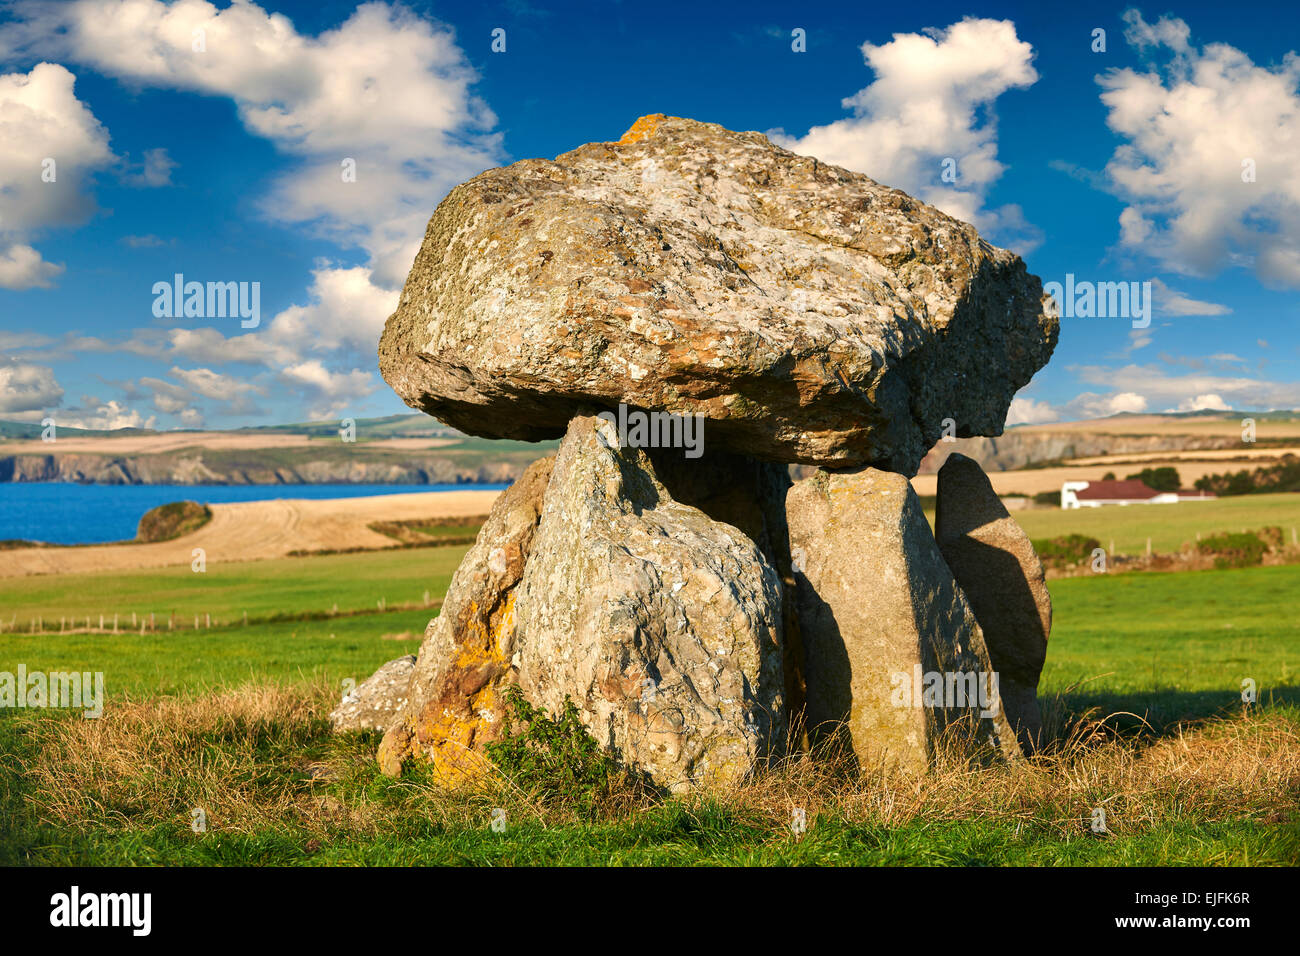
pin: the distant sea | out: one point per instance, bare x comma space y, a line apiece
67, 513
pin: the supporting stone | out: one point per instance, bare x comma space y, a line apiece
894, 657
455, 703
994, 562
373, 703
591, 581
662, 624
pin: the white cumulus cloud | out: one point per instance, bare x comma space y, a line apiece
387, 93
28, 388
1154, 386
96, 414
1212, 146
1171, 302
377, 119
932, 100
1199, 403
52, 142
22, 267
210, 384
328, 393
1029, 411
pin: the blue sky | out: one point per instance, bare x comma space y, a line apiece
208, 140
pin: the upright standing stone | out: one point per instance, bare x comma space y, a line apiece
994, 562
749, 494
893, 655
662, 623
455, 704
591, 581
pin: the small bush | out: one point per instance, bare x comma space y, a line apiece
172, 520
1048, 498
1234, 550
1067, 549
554, 760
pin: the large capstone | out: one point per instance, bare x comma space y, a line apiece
811, 314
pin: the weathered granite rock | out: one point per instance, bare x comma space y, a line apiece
882, 620
994, 562
662, 624
372, 704
455, 704
750, 495
811, 314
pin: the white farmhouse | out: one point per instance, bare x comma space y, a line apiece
1094, 494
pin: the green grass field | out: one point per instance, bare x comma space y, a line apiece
1168, 526
307, 585
232, 719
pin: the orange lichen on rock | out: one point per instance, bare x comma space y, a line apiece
456, 704
451, 729
643, 128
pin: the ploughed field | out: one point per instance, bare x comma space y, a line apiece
1142, 691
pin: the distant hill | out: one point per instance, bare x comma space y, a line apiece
396, 449
29, 430
416, 449
390, 426
415, 425
1050, 444
1277, 415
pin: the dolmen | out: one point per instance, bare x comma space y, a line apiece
691, 311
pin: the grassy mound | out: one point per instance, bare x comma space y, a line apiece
172, 520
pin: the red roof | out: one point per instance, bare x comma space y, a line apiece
1132, 490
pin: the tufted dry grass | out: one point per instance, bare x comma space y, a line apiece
261, 757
